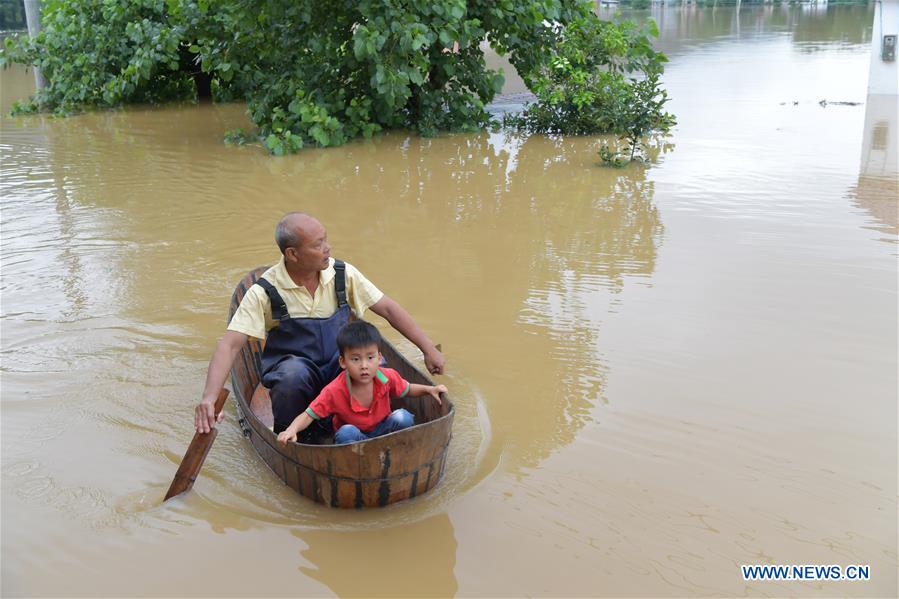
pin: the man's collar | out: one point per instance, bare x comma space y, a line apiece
283, 280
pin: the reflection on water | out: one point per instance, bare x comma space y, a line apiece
659, 371
18, 84
420, 563
877, 190
877, 196
809, 27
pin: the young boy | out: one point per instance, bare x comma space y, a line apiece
359, 398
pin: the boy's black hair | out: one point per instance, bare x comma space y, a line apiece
356, 334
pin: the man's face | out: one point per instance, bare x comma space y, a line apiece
313, 252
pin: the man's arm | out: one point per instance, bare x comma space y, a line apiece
222, 359
399, 319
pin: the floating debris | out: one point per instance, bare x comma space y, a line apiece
824, 103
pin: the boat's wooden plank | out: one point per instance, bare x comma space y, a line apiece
370, 492
399, 489
275, 461
304, 479
261, 406
419, 484
347, 496
291, 476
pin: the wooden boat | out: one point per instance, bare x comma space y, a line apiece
376, 472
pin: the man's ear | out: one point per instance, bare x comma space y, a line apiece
341, 362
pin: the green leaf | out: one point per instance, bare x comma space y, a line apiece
320, 135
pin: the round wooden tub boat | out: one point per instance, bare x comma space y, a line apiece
371, 473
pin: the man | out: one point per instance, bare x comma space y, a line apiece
298, 306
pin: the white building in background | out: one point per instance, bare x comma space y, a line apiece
877, 190
884, 74
879, 147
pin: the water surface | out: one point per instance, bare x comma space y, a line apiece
660, 372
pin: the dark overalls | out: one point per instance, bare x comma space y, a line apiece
301, 355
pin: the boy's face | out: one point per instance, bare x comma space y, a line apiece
361, 363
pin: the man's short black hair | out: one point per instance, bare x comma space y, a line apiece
357, 334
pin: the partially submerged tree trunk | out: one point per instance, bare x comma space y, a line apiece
33, 18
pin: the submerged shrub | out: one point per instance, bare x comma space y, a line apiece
321, 73
103, 54
603, 79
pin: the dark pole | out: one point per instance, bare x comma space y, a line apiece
33, 17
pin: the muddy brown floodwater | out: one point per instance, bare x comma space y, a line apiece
661, 373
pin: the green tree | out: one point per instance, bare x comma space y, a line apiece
603, 78
103, 53
312, 73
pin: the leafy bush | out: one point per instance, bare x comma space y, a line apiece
357, 68
611, 157
604, 78
103, 54
321, 73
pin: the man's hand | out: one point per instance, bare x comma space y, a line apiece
219, 365
434, 361
204, 416
285, 436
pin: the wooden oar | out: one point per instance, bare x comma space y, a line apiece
195, 455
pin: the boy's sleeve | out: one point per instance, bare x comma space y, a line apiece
322, 406
399, 386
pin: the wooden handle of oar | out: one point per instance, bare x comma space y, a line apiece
195, 455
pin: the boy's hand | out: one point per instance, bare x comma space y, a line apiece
435, 392
285, 436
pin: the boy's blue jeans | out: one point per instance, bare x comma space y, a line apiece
398, 420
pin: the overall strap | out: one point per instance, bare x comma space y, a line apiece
340, 282
279, 308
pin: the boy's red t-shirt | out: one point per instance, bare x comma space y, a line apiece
337, 399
